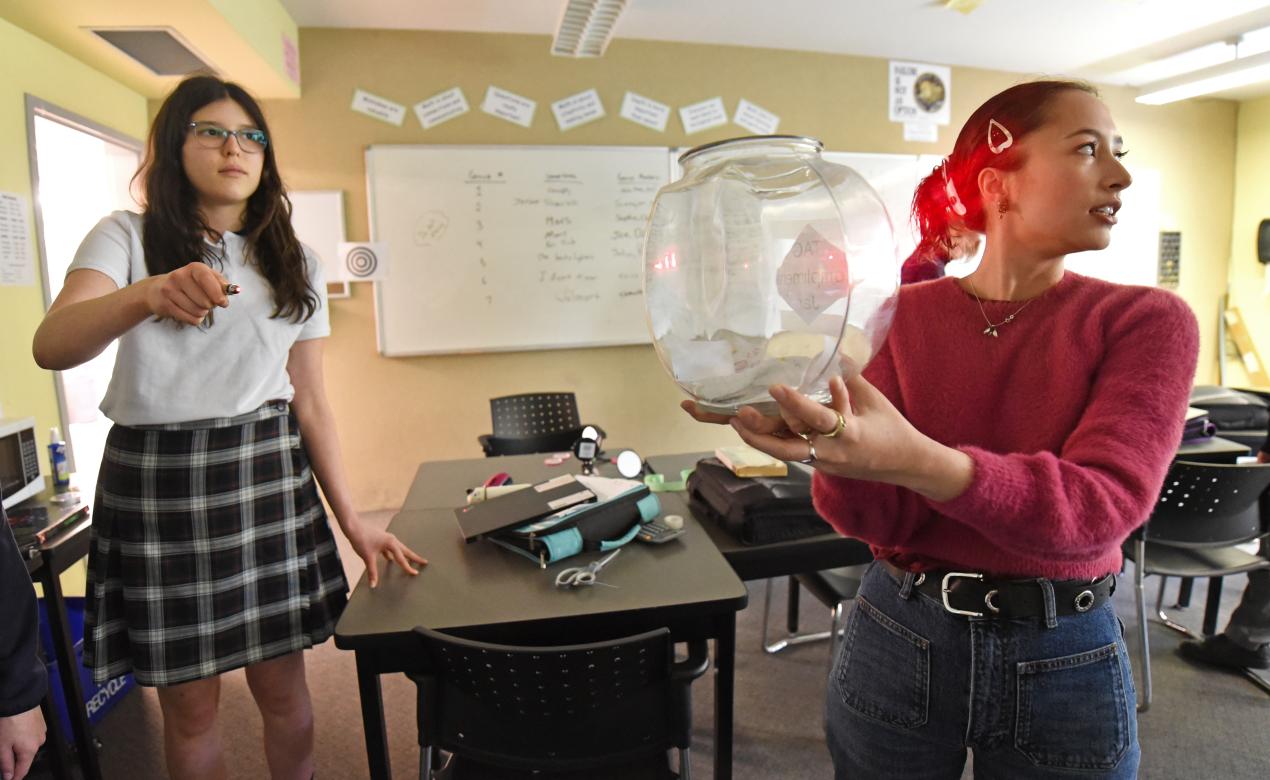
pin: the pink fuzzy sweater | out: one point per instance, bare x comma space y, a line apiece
1071, 416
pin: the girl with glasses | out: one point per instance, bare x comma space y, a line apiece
1013, 430
211, 550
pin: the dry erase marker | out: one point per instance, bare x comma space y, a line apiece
232, 289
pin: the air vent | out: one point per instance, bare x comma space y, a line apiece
159, 49
586, 27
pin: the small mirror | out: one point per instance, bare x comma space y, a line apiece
629, 464
592, 433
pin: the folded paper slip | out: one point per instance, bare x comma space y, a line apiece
522, 506
745, 461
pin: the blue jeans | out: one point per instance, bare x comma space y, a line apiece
914, 686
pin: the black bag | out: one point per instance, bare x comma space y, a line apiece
600, 526
755, 510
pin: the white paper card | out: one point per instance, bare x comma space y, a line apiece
754, 118
441, 107
380, 108
318, 220
578, 109
703, 116
645, 111
925, 132
363, 262
17, 267
920, 92
508, 105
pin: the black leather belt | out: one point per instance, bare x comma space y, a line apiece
978, 595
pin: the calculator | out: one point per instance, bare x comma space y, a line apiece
663, 529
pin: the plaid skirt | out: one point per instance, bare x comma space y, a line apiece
210, 550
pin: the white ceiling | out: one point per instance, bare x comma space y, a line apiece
1090, 38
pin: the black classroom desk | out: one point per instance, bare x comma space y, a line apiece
1214, 450
483, 592
45, 564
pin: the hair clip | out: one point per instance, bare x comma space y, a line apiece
1001, 146
950, 190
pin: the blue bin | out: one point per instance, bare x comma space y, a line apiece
98, 699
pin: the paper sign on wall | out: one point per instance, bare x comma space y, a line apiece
920, 92
380, 108
703, 116
363, 262
578, 109
441, 107
290, 58
514, 108
16, 263
754, 118
925, 132
645, 111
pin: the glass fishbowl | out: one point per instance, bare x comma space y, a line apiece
766, 264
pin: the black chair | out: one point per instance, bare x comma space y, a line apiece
1204, 512
610, 709
833, 588
532, 422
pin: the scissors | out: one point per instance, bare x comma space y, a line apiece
585, 575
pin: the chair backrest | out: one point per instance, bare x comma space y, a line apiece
563, 708
534, 414
1209, 505
532, 422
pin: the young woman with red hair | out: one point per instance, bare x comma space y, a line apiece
1013, 430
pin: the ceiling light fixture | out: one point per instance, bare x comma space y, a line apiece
1206, 56
1239, 73
586, 27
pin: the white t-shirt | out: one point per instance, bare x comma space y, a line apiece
168, 372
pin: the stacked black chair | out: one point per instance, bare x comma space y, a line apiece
1205, 511
610, 709
532, 422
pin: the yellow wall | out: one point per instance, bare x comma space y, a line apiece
397, 412
32, 66
1248, 288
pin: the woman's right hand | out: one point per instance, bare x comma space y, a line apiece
187, 294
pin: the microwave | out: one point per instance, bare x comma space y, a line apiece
20, 476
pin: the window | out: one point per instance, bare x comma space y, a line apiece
80, 172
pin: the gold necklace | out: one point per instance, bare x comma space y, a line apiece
991, 330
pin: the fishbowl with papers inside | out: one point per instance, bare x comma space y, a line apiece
765, 264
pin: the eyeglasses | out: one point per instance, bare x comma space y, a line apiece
210, 136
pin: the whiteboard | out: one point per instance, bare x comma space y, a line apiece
317, 216
499, 248
895, 178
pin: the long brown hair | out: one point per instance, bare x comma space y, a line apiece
948, 200
173, 228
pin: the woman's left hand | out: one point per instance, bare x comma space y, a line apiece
873, 442
371, 544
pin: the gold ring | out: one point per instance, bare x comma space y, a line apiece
842, 424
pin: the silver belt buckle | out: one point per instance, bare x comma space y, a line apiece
946, 589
